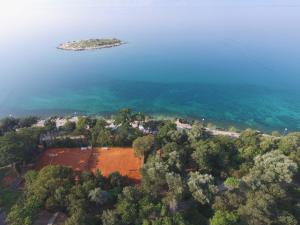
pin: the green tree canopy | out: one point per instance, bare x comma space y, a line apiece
154, 177
99, 196
224, 218
249, 144
197, 132
69, 126
8, 124
125, 135
202, 187
110, 217
272, 167
217, 156
142, 146
124, 117
18, 147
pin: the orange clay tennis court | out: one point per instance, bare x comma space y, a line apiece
107, 160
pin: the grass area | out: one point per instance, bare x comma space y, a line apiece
8, 198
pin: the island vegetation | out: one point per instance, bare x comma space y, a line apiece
190, 176
90, 44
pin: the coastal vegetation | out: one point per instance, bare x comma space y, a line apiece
190, 175
90, 44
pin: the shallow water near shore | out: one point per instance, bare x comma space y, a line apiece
235, 64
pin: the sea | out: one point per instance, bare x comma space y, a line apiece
233, 63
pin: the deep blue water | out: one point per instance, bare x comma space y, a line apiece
231, 63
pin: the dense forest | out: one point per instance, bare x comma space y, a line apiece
189, 176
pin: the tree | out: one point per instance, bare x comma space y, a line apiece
197, 133
116, 179
268, 143
217, 156
205, 155
168, 133
154, 177
175, 219
229, 200
77, 199
19, 147
287, 219
104, 138
69, 126
127, 205
202, 187
99, 196
78, 218
125, 135
174, 155
261, 208
82, 125
140, 118
124, 117
153, 125
23, 213
232, 183
270, 168
262, 196
249, 144
8, 124
10, 149
50, 124
27, 121
110, 217
143, 145
290, 143
175, 192
100, 135
168, 148
267, 200
290, 146
39, 193
175, 161
224, 218
99, 178
59, 196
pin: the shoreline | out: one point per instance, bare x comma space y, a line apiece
181, 123
61, 121
219, 126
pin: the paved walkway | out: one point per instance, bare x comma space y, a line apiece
224, 133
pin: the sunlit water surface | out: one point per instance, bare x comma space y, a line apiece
228, 62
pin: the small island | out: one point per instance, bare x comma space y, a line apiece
90, 44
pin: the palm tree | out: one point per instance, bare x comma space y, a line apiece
99, 196
124, 117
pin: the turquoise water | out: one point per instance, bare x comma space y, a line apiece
229, 63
